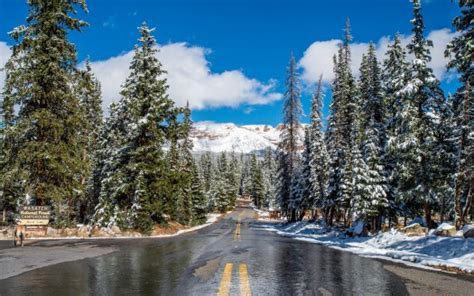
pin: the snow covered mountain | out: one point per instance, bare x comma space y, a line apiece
228, 137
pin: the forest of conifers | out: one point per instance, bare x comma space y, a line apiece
394, 146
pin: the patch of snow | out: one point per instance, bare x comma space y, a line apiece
422, 251
444, 226
211, 218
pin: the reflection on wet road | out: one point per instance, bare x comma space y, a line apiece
231, 257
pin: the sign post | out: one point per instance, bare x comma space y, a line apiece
34, 215
33, 219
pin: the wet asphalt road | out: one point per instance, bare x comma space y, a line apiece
234, 255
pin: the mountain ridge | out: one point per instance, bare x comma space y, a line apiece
208, 136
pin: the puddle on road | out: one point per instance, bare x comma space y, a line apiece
239, 251
207, 270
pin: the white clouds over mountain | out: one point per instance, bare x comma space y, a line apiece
318, 57
190, 78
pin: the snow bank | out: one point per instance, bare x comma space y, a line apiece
261, 213
211, 218
450, 253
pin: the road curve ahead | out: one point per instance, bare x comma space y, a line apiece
231, 257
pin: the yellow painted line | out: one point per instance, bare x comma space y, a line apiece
244, 280
225, 281
237, 232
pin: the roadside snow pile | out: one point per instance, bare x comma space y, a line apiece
211, 218
262, 214
445, 252
468, 231
112, 232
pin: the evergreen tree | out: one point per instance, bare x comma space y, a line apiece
289, 140
301, 186
245, 181
444, 161
224, 194
461, 53
257, 187
141, 206
89, 93
186, 163
371, 130
319, 158
423, 101
207, 176
106, 162
11, 174
340, 136
376, 183
371, 97
145, 120
199, 201
360, 202
46, 152
464, 190
394, 77
460, 50
296, 193
233, 176
206, 170
269, 177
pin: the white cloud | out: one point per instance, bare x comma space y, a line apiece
4, 56
318, 57
189, 78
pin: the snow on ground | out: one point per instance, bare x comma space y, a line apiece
211, 218
423, 251
261, 214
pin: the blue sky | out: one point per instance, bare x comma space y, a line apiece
239, 49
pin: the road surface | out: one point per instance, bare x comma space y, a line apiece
231, 257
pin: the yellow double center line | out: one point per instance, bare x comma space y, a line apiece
244, 280
226, 280
237, 232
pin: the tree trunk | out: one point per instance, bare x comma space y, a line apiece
462, 214
301, 216
429, 222
469, 202
457, 201
293, 215
331, 215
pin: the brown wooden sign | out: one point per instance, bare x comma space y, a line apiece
34, 215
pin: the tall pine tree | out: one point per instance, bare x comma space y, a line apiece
319, 158
89, 93
288, 157
46, 153
394, 79
340, 136
149, 125
461, 54
423, 101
